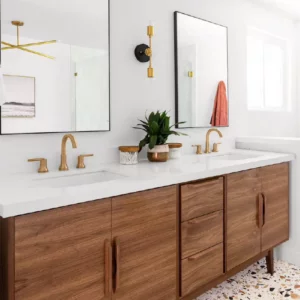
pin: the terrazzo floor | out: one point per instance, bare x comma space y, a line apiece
254, 283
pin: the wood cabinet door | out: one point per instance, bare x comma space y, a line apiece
275, 188
144, 231
243, 228
60, 253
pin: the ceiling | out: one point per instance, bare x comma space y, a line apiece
291, 8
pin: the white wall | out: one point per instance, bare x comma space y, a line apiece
132, 93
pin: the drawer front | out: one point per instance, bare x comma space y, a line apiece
201, 198
201, 268
201, 233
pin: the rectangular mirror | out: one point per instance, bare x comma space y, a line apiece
55, 66
201, 59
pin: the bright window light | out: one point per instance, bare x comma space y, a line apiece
267, 72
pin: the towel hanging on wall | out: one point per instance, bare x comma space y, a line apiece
220, 111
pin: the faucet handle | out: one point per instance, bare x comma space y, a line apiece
216, 147
199, 149
81, 164
43, 164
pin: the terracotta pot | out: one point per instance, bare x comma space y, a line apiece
160, 153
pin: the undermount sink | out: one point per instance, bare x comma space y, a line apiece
235, 156
78, 179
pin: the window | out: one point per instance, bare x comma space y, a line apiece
267, 72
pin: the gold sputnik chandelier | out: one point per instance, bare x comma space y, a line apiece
24, 47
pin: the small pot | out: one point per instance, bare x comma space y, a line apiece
160, 153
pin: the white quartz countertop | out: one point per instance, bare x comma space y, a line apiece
27, 193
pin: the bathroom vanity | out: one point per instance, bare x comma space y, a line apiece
173, 241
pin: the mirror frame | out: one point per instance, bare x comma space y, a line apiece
176, 13
109, 85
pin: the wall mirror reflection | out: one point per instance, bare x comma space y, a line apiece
55, 66
201, 72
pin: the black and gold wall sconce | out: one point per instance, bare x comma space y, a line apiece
143, 52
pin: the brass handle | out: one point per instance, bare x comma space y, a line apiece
260, 211
199, 149
43, 164
117, 262
80, 164
216, 147
108, 267
264, 209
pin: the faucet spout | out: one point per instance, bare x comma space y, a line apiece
207, 147
63, 164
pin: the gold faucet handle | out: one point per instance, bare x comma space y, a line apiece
216, 147
199, 149
81, 158
43, 164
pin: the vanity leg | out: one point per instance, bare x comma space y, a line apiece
270, 262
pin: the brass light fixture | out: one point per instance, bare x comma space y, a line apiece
24, 47
143, 52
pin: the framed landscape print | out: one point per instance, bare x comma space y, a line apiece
19, 97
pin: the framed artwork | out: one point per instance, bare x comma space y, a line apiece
19, 97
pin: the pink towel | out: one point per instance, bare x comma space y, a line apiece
220, 112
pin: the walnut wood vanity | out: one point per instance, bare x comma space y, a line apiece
169, 243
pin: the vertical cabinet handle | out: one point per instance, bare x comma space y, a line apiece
260, 211
264, 209
117, 250
108, 267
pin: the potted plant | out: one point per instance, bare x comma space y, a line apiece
158, 129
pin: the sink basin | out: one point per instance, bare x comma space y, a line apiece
78, 179
235, 156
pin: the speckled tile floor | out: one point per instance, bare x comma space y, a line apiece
254, 283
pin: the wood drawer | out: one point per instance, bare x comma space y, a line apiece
201, 198
202, 268
201, 233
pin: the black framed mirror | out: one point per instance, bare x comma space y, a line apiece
201, 72
55, 66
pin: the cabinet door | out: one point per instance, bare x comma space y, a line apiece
275, 187
144, 229
243, 230
60, 254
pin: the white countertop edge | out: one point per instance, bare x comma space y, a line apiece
130, 185
269, 140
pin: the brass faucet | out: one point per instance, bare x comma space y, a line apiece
63, 164
207, 147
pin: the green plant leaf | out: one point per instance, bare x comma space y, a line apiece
154, 128
153, 140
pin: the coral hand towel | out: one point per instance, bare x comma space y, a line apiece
220, 112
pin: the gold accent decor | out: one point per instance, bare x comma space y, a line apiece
63, 164
216, 147
191, 74
158, 157
198, 149
23, 47
129, 149
80, 164
174, 145
43, 164
207, 147
149, 51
